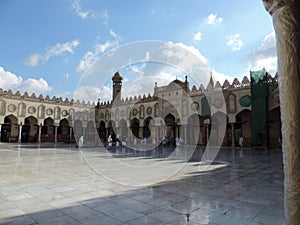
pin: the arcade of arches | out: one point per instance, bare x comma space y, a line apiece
140, 118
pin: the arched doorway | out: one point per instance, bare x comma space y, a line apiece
135, 128
243, 127
90, 132
47, 133
9, 130
146, 128
123, 130
77, 130
102, 131
170, 129
63, 132
30, 130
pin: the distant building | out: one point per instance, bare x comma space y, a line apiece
175, 110
158, 116
25, 118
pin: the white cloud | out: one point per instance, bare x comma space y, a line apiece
105, 16
235, 42
181, 55
56, 50
32, 60
213, 19
144, 63
100, 48
76, 6
91, 56
87, 60
265, 55
39, 86
59, 49
105, 93
11, 81
198, 36
87, 93
112, 33
221, 77
145, 85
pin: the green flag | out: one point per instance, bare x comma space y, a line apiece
259, 98
257, 75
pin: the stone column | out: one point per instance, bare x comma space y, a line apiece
84, 131
232, 135
207, 133
39, 133
71, 131
20, 133
157, 137
185, 134
55, 133
286, 21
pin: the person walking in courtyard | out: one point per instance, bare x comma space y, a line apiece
109, 141
241, 140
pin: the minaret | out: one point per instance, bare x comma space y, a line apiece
117, 87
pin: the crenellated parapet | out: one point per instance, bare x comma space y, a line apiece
128, 101
54, 100
235, 85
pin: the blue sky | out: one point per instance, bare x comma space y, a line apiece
48, 46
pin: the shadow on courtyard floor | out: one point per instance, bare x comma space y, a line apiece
248, 190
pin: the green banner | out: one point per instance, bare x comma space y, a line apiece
259, 96
205, 107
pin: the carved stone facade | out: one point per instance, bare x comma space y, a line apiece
171, 110
175, 110
25, 118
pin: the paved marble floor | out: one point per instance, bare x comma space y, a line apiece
58, 184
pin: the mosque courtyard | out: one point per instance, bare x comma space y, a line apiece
53, 183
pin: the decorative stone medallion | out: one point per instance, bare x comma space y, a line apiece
134, 112
11, 108
149, 110
195, 106
49, 112
31, 110
64, 112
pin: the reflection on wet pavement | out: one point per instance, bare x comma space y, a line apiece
57, 184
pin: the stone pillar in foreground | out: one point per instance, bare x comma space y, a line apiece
55, 133
40, 133
232, 135
20, 134
286, 21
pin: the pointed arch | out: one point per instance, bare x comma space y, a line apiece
47, 132
63, 131
135, 127
9, 130
30, 130
243, 126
